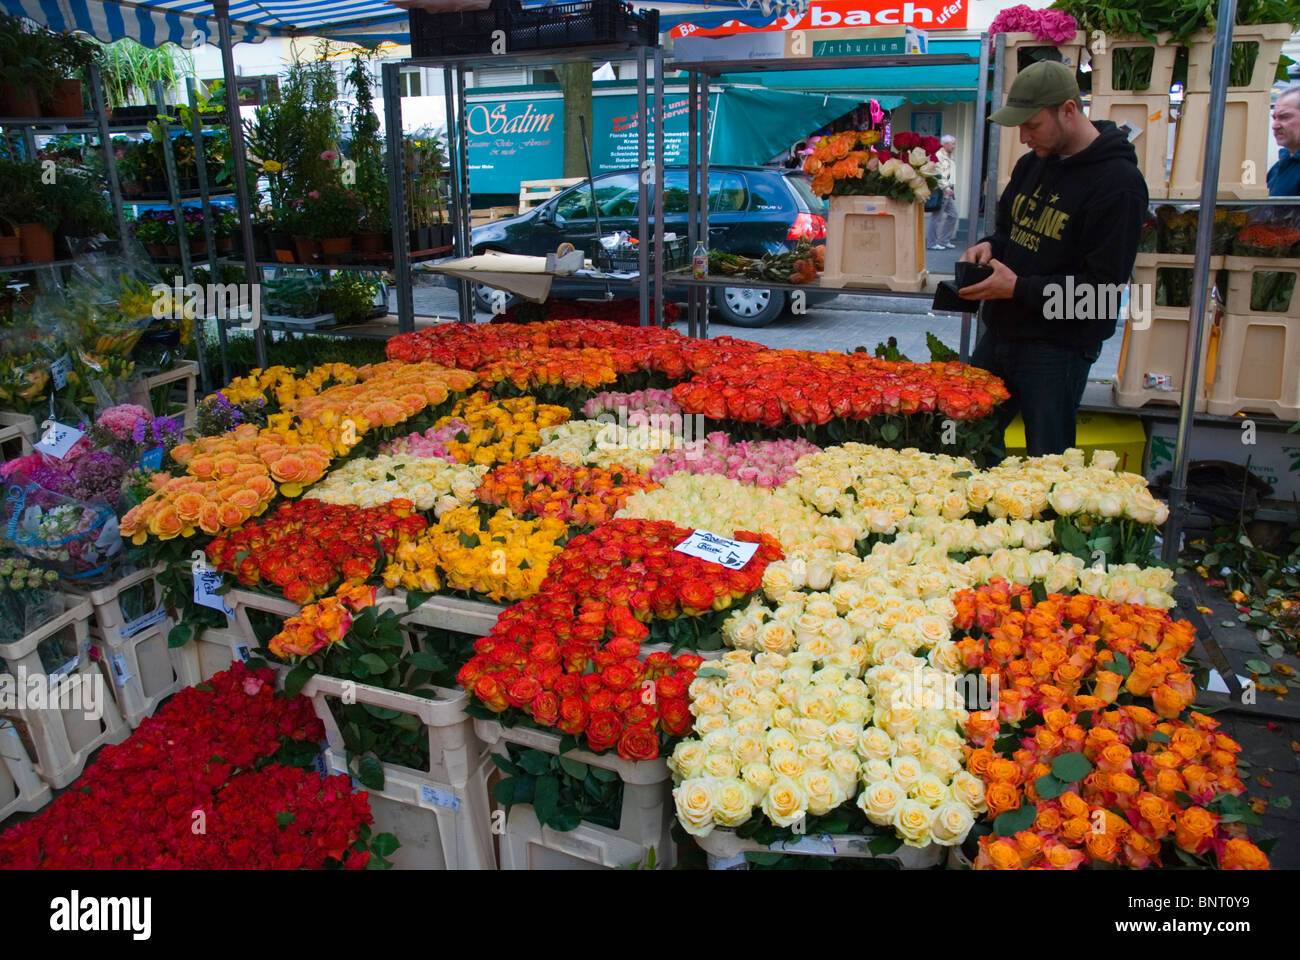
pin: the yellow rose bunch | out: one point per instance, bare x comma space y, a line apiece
507, 561
284, 385
500, 431
429, 483
722, 505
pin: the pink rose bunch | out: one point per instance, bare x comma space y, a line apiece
1053, 26
431, 444
121, 420
763, 463
645, 401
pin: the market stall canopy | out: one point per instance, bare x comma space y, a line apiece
190, 23
922, 83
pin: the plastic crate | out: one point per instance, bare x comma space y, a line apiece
1027, 47
875, 242
17, 434
21, 789
645, 821
1150, 115
217, 649
451, 795
474, 617
626, 257
1162, 66
1243, 153
507, 28
1255, 370
1269, 36
186, 371
1257, 283
723, 845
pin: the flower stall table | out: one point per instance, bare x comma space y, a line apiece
645, 822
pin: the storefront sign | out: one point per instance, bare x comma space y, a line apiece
922, 14
514, 140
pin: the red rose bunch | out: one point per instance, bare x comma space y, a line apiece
196, 760
538, 487
307, 547
775, 387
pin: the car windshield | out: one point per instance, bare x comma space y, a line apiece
803, 187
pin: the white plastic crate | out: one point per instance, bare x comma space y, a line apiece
217, 649
474, 617
451, 794
722, 844
17, 434
143, 668
21, 790
645, 821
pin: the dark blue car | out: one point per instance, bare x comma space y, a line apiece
752, 211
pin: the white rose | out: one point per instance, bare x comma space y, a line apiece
909, 744
758, 777
687, 760
1105, 459
952, 822
733, 802
747, 749
929, 789
880, 801
711, 722
1065, 500
941, 762
873, 744
785, 803
695, 803
906, 770
844, 764
969, 789
720, 766
1110, 505
912, 821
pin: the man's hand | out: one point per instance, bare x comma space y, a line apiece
1000, 286
980, 253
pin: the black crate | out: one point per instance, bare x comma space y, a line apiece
542, 28
626, 257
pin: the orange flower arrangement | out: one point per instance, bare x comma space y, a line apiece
321, 624
1139, 779
545, 487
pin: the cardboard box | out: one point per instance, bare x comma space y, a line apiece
1094, 431
1274, 456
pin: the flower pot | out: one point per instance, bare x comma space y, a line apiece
334, 247
198, 248
372, 242
173, 250
132, 189
446, 235
305, 249
37, 241
11, 251
226, 244
156, 250
19, 102
67, 100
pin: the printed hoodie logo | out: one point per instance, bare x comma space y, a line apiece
1033, 218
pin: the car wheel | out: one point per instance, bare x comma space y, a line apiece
748, 306
485, 299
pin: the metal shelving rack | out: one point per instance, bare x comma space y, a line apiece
700, 73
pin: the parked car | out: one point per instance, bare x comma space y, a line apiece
752, 211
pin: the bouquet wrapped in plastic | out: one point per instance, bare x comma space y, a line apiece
76, 538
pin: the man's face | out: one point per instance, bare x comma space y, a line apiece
1286, 123
950, 147
1043, 132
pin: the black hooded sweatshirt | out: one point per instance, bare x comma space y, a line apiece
1078, 217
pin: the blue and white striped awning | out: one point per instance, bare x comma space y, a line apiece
187, 22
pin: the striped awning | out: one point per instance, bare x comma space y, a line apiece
190, 23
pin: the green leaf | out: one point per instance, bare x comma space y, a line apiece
426, 661
504, 792
1258, 666
374, 663
1049, 787
603, 775
284, 818
1281, 803
712, 671
379, 713
504, 765
371, 773
535, 762
545, 797
1013, 821
1158, 736
1070, 767
297, 679
764, 858
178, 636
889, 432
885, 844
384, 844
416, 597
564, 819
1121, 665
407, 721
574, 768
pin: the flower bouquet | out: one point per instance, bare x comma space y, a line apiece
26, 597
74, 537
850, 164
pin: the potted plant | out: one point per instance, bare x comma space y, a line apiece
350, 296
365, 152
195, 233
152, 232
83, 208
225, 223
73, 55
27, 203
330, 216
27, 74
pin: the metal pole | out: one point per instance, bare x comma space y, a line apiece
463, 235
1200, 276
692, 199
252, 273
209, 232
661, 253
990, 186
642, 193
706, 131
391, 77
976, 157
106, 144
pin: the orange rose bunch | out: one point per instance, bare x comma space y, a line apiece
321, 624
545, 487
1076, 777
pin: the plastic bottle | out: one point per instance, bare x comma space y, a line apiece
700, 262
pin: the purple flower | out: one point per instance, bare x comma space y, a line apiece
137, 431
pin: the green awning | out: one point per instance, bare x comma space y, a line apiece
914, 84
751, 126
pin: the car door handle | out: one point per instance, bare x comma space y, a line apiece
717, 229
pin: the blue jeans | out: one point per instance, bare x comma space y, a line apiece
1046, 383
943, 223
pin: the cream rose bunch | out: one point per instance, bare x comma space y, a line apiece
429, 483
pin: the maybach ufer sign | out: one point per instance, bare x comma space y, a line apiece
829, 14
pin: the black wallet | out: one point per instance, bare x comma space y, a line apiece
967, 274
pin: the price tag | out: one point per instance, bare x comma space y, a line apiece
732, 554
206, 584
121, 672
439, 798
132, 627
824, 844
319, 764
152, 459
241, 650
65, 668
58, 439
59, 370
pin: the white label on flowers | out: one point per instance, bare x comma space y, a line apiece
824, 844
121, 672
59, 438
206, 585
439, 798
132, 627
732, 554
59, 370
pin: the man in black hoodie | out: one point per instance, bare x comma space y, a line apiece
1067, 235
